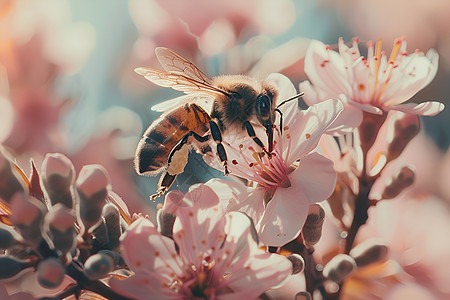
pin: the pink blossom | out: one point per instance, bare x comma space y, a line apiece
294, 177
373, 84
217, 256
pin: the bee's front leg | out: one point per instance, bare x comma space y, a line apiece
251, 133
217, 137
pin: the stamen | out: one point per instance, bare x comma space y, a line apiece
342, 144
377, 59
288, 147
394, 53
280, 168
259, 162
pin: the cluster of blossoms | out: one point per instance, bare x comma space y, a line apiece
233, 239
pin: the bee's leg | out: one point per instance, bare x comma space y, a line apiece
184, 142
217, 137
251, 133
165, 182
176, 162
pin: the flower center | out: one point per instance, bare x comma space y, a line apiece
198, 285
270, 173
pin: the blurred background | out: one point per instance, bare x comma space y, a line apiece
67, 85
67, 81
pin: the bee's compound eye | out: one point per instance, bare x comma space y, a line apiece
263, 105
263, 108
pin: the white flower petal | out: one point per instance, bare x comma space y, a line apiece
366, 107
316, 176
284, 216
146, 250
350, 118
270, 270
430, 108
305, 132
286, 90
322, 66
141, 285
199, 228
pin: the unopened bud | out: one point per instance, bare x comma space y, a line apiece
10, 180
165, 216
101, 240
406, 127
173, 200
312, 230
304, 295
298, 264
50, 273
28, 215
369, 252
93, 186
396, 184
8, 237
60, 223
98, 266
58, 176
165, 222
339, 268
10, 266
112, 218
118, 261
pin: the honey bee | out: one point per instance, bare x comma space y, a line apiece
211, 108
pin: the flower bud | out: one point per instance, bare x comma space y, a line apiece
401, 180
101, 240
173, 200
58, 176
406, 127
8, 237
98, 265
28, 215
369, 252
10, 266
93, 186
298, 264
312, 230
118, 261
339, 268
304, 295
165, 216
165, 222
10, 180
112, 219
50, 273
59, 223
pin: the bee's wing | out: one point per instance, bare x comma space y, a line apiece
174, 62
179, 81
205, 101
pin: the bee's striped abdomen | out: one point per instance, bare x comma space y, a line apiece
165, 132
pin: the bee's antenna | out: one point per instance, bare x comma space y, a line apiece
290, 99
279, 111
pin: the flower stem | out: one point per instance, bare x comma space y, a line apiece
92, 285
360, 216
